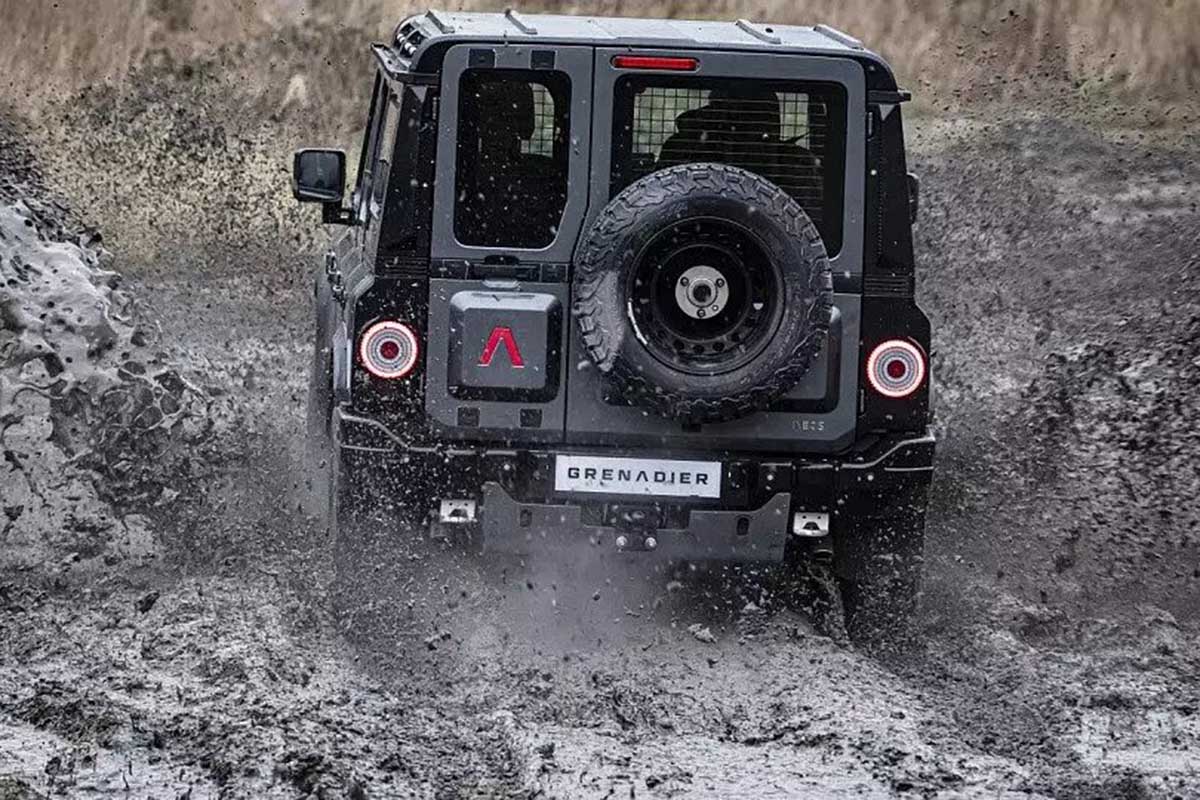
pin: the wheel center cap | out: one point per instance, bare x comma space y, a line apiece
701, 292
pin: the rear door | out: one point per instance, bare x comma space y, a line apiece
513, 153
647, 119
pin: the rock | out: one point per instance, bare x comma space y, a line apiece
433, 641
146, 602
701, 633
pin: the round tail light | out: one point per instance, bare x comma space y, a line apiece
896, 368
388, 350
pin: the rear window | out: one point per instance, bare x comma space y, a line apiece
513, 157
791, 133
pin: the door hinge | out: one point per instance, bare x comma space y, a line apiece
888, 97
336, 286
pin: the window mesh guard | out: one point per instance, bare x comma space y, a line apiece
783, 136
545, 125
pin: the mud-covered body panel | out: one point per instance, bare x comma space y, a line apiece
818, 414
505, 385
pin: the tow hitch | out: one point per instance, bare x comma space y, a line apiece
813, 529
456, 512
637, 526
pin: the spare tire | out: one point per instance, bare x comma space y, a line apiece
703, 292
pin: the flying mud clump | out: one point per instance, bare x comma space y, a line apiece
92, 418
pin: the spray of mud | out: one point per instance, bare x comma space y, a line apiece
90, 416
1058, 654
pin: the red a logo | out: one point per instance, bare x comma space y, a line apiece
502, 334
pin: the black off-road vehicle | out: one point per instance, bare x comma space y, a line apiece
641, 285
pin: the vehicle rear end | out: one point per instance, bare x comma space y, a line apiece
538, 357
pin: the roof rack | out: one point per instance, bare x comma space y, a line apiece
765, 35
434, 16
416, 31
519, 22
839, 37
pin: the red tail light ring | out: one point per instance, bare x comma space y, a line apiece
896, 368
388, 350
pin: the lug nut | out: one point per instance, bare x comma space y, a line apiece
700, 313
720, 282
622, 542
684, 281
651, 543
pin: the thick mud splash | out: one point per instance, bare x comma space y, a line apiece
89, 414
171, 635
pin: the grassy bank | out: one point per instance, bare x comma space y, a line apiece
172, 121
940, 45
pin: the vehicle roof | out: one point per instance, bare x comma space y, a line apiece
626, 31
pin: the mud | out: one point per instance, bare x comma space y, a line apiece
165, 613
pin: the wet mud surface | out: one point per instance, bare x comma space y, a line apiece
167, 624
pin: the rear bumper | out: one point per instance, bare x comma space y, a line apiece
758, 534
520, 510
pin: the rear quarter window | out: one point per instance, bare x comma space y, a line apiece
791, 133
512, 157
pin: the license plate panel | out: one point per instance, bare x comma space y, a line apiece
637, 477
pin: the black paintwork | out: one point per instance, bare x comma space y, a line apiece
380, 268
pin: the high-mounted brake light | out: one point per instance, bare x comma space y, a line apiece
667, 63
896, 368
388, 350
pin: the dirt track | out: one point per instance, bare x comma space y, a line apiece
180, 642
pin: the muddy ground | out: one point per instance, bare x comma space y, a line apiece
165, 615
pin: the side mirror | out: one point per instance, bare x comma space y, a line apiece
319, 176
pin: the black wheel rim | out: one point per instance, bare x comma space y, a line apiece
701, 328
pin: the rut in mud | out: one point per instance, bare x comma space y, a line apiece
166, 624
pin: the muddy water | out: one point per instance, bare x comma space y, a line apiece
180, 641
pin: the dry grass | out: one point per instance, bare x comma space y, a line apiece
936, 44
169, 121
1137, 43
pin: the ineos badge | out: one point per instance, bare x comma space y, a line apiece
502, 334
